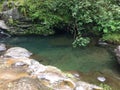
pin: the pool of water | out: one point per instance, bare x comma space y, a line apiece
58, 51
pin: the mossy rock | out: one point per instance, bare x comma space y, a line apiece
113, 38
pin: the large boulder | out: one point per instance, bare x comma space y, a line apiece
117, 53
12, 13
8, 12
18, 72
17, 52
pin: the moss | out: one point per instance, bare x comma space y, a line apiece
105, 86
112, 38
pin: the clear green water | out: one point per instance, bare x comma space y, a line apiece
58, 51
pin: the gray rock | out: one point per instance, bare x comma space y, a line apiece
2, 47
8, 12
117, 53
3, 25
17, 52
5, 6
24, 84
14, 13
102, 43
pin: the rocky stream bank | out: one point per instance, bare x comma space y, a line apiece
18, 71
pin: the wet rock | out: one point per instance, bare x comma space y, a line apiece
102, 43
4, 35
2, 47
117, 53
85, 86
3, 25
17, 52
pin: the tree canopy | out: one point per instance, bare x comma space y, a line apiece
81, 18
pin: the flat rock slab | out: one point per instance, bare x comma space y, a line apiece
19, 72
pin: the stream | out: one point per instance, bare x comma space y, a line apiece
90, 62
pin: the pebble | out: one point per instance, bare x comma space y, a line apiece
101, 79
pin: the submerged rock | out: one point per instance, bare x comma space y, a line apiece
117, 53
2, 47
17, 52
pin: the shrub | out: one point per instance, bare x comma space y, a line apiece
80, 41
87, 17
105, 86
112, 38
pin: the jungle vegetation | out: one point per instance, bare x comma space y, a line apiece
83, 19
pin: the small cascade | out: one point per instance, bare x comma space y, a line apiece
3, 35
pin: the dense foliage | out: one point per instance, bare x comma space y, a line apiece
105, 86
112, 38
85, 17
81, 18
